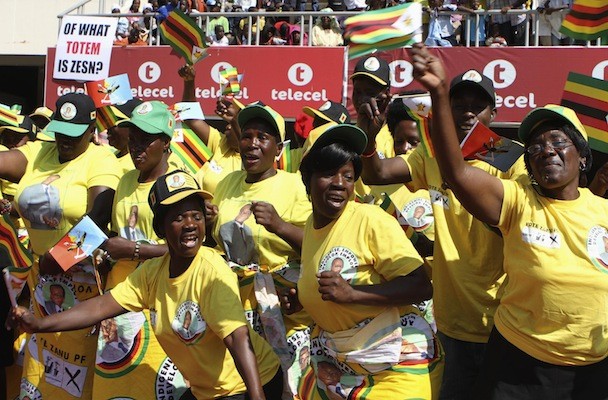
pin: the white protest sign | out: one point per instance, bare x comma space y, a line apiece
84, 48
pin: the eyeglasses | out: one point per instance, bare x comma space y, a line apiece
555, 145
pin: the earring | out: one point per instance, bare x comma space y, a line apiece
582, 166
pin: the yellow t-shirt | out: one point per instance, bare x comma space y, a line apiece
467, 259
385, 149
555, 300
284, 191
51, 197
131, 206
224, 161
246, 243
50, 205
126, 163
206, 295
374, 252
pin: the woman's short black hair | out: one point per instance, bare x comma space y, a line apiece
161, 212
573, 134
396, 112
329, 158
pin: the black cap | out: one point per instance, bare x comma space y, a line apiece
374, 68
329, 111
128, 107
474, 78
170, 189
74, 112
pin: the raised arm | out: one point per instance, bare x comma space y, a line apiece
198, 126
82, 315
479, 192
370, 118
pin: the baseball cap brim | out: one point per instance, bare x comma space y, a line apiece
65, 128
258, 111
547, 113
13, 129
371, 76
315, 113
179, 196
351, 135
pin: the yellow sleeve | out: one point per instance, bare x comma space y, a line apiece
301, 209
512, 198
109, 175
132, 293
415, 162
222, 305
214, 139
394, 255
30, 149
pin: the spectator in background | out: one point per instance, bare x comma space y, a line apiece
134, 9
355, 5
550, 21
495, 40
243, 27
441, 30
295, 36
164, 11
122, 28
218, 38
326, 31
216, 21
511, 26
475, 32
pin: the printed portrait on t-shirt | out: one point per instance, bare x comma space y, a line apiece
188, 323
237, 238
54, 296
597, 247
130, 231
117, 337
340, 260
40, 204
418, 214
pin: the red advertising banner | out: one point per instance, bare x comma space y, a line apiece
287, 78
524, 78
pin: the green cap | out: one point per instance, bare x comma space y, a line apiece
548, 113
323, 136
152, 117
263, 112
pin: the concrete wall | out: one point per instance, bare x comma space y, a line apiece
28, 27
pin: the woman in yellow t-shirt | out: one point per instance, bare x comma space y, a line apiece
59, 182
360, 286
225, 148
193, 300
550, 338
261, 213
130, 362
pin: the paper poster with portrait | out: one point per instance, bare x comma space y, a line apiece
130, 230
55, 295
341, 260
188, 323
237, 238
40, 204
597, 247
335, 379
418, 214
119, 338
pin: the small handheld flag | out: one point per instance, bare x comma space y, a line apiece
588, 97
78, 244
15, 279
483, 144
184, 36
110, 91
230, 81
384, 29
191, 150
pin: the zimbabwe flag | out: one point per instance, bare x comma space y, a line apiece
192, 151
588, 97
587, 20
184, 36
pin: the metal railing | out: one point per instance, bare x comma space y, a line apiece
306, 21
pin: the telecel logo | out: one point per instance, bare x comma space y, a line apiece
401, 73
502, 73
300, 74
215, 70
149, 72
599, 71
